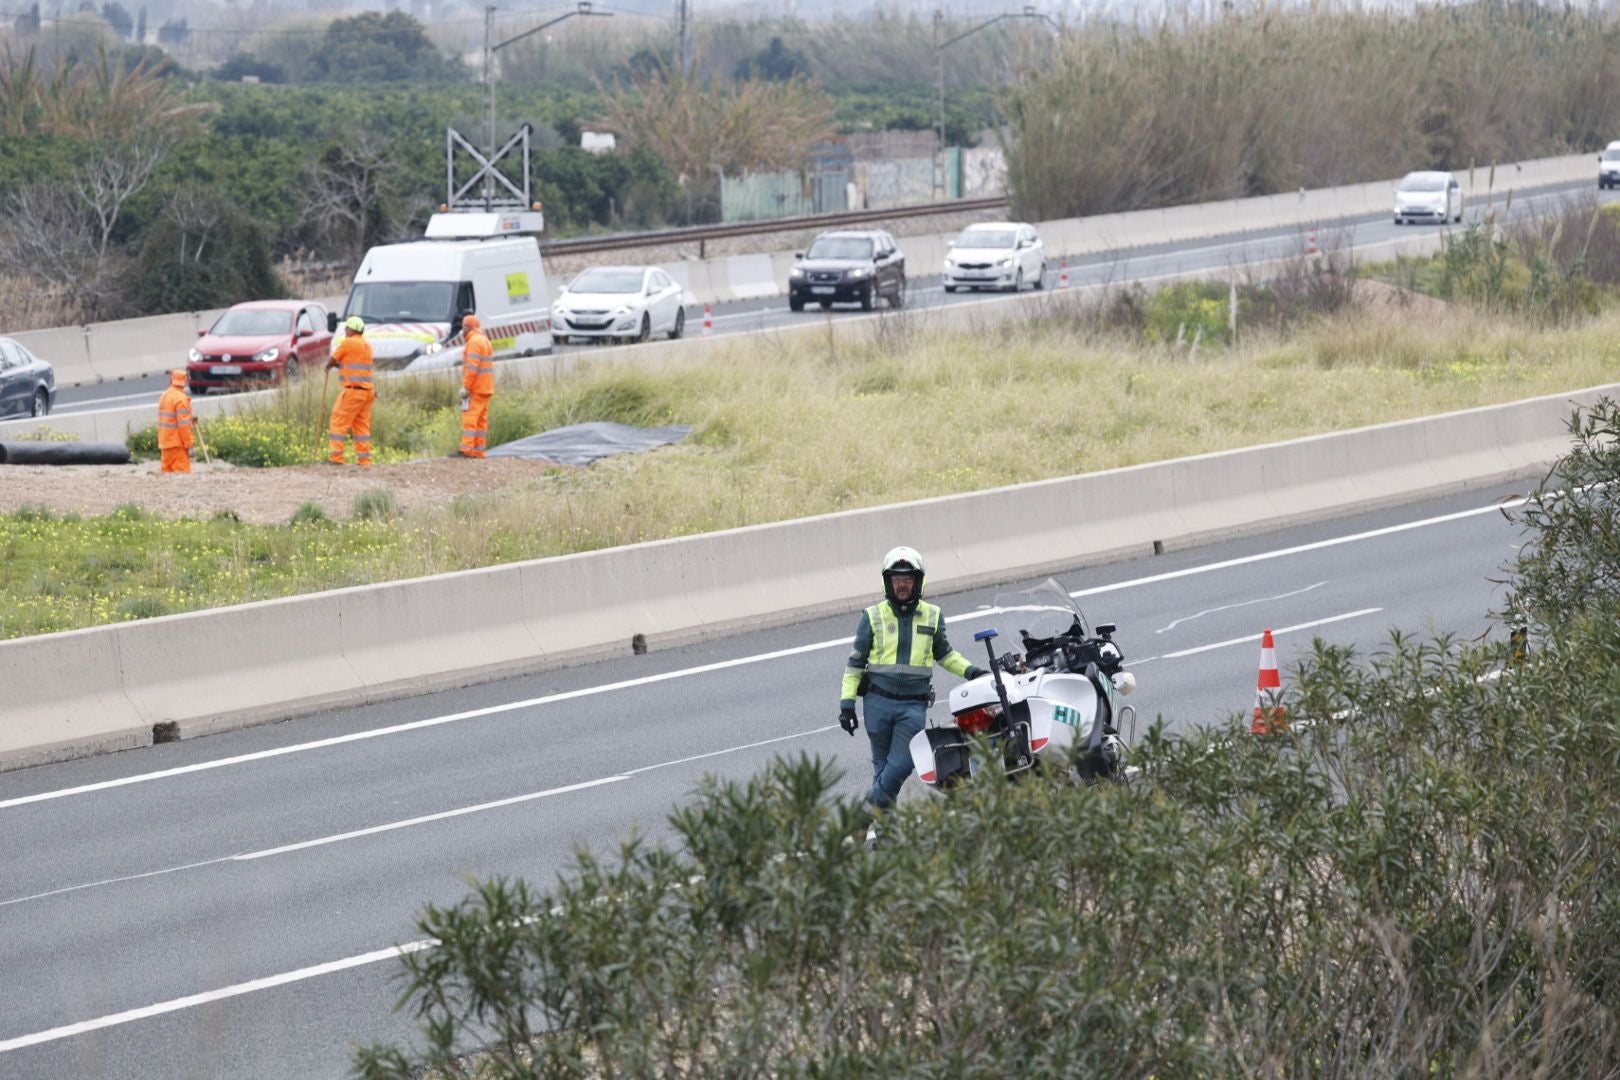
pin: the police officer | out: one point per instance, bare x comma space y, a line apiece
897, 644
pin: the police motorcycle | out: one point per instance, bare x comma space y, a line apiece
1055, 705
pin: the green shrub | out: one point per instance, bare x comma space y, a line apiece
1188, 311
309, 513
375, 505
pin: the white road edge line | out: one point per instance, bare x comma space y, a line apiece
191, 1001
1278, 633
424, 819
741, 661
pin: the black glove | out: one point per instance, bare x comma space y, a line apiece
847, 720
974, 671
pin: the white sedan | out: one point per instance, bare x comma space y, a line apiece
619, 303
996, 255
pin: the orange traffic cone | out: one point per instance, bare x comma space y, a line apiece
1270, 718
1063, 274
708, 321
1310, 242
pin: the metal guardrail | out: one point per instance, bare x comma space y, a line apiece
700, 234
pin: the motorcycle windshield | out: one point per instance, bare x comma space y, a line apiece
1044, 611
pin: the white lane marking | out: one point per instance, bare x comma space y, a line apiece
728, 750
1245, 603
112, 881
1275, 633
65, 405
191, 1001
1315, 545
425, 819
411, 822
721, 665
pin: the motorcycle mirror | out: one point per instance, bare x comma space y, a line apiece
1124, 682
1106, 629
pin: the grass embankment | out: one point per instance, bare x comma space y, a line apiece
788, 428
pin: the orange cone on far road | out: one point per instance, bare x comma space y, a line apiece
1269, 716
1063, 274
708, 321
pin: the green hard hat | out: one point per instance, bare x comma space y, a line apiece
355, 323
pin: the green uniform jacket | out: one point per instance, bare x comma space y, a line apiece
898, 652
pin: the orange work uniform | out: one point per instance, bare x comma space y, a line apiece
478, 379
174, 429
351, 413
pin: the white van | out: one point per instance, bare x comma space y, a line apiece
1609, 166
413, 295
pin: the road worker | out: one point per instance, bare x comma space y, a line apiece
897, 644
351, 413
176, 427
477, 387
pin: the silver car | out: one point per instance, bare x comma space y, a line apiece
1428, 196
27, 383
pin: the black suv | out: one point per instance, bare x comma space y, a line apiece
849, 267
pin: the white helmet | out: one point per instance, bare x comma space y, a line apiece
902, 560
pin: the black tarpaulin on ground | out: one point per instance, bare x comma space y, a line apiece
63, 453
581, 444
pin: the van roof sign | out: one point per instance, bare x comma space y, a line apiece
469, 226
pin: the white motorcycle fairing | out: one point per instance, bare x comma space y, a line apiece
1058, 708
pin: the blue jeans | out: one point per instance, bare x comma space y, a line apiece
890, 726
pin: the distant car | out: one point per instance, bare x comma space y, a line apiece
1609, 166
258, 344
27, 383
996, 255
619, 303
1428, 196
849, 267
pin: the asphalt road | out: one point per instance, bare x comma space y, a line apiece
227, 906
1373, 238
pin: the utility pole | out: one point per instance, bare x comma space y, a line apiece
489, 95
491, 47
941, 43
939, 105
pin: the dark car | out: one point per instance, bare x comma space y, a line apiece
259, 343
27, 383
849, 267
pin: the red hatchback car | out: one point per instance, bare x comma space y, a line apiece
259, 343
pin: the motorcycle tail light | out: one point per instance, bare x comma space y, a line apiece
978, 721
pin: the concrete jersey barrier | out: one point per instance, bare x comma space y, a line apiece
131, 348
108, 687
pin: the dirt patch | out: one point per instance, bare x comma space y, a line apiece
265, 496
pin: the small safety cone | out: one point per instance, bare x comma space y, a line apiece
1270, 718
708, 321
1310, 242
1063, 274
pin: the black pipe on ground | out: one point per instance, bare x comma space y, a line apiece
63, 453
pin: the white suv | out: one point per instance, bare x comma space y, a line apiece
996, 255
